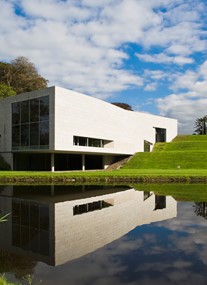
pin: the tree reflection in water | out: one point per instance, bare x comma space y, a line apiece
201, 209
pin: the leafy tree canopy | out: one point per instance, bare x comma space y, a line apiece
21, 75
123, 106
6, 91
200, 126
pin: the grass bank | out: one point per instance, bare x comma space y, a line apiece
184, 152
115, 176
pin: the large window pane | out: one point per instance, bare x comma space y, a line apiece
44, 217
44, 133
44, 108
24, 135
34, 110
34, 216
24, 111
15, 136
15, 212
34, 134
25, 214
30, 123
16, 113
82, 141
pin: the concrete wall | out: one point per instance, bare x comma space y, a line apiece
81, 115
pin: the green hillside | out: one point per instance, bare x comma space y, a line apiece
186, 152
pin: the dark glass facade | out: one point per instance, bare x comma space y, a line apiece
30, 226
30, 124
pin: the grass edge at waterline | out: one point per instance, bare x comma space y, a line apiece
122, 175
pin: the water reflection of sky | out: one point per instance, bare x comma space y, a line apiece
168, 252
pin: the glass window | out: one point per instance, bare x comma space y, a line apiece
34, 134
15, 212
25, 135
82, 141
16, 136
76, 140
30, 123
24, 111
34, 110
34, 216
24, 214
44, 217
16, 113
44, 133
44, 108
95, 142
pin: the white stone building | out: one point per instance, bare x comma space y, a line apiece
58, 129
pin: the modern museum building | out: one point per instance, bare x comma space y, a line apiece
59, 129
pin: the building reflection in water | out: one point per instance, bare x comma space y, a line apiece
56, 224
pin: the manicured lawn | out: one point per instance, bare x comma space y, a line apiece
184, 152
169, 160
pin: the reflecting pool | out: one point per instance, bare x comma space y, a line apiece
101, 235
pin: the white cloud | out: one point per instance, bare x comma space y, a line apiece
163, 58
84, 45
150, 87
189, 100
183, 107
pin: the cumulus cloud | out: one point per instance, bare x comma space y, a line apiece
88, 46
163, 58
190, 100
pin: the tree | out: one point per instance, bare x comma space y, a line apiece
21, 75
200, 126
6, 91
123, 106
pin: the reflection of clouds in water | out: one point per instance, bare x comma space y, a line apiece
101, 267
194, 229
175, 253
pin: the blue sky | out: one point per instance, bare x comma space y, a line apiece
150, 54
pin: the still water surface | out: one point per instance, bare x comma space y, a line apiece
96, 235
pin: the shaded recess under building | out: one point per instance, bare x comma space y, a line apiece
42, 161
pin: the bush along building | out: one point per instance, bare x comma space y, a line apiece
59, 129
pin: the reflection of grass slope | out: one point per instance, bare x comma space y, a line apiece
180, 192
186, 152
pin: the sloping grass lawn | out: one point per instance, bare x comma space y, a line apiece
181, 146
191, 138
184, 152
168, 160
